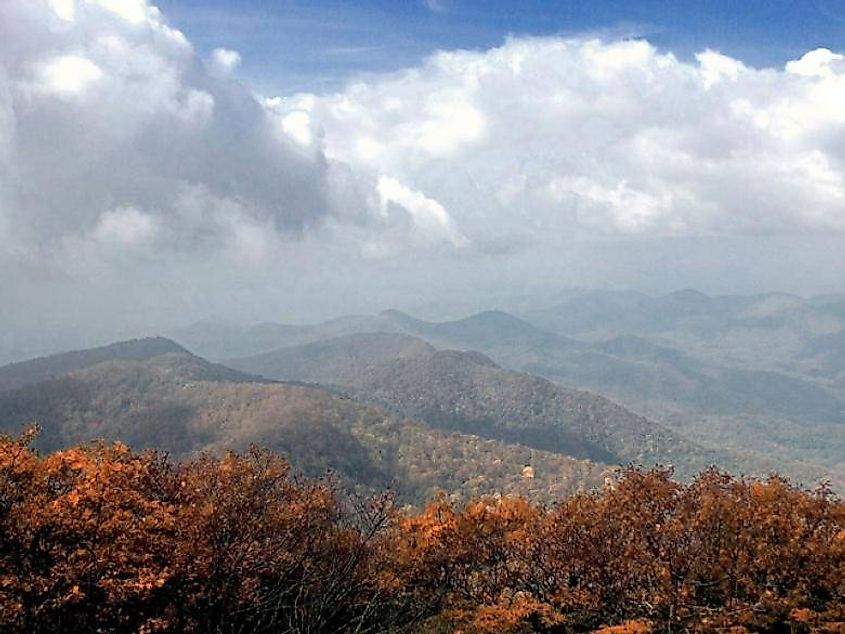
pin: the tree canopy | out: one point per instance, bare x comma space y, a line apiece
101, 538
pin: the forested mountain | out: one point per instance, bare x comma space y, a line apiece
397, 412
754, 383
467, 391
183, 405
761, 375
394, 414
632, 363
17, 375
631, 368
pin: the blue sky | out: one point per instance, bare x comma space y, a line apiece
289, 46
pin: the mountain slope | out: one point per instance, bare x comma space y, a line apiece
337, 360
825, 356
17, 375
761, 374
466, 391
182, 404
758, 375
634, 369
627, 368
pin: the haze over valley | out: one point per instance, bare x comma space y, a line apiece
749, 383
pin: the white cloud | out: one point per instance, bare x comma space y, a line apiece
65, 9
108, 118
619, 206
549, 137
716, 68
224, 61
125, 227
133, 11
67, 75
449, 124
817, 63
426, 221
297, 124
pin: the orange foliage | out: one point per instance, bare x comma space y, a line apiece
100, 538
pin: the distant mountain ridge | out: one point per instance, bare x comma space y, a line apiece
628, 368
481, 331
466, 391
596, 313
182, 404
337, 360
219, 341
16, 375
762, 374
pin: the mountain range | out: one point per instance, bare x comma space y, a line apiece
761, 376
467, 391
596, 380
154, 394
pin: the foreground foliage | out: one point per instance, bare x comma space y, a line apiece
100, 538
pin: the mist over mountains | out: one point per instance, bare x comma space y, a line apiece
148, 180
756, 374
598, 379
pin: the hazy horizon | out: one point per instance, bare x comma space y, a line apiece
151, 175
16, 348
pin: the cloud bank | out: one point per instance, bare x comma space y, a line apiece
142, 185
115, 133
545, 137
138, 179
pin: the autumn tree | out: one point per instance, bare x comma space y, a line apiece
87, 536
101, 538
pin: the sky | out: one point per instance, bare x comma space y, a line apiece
335, 41
293, 161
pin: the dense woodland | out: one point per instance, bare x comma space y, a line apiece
758, 379
100, 538
466, 391
183, 405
